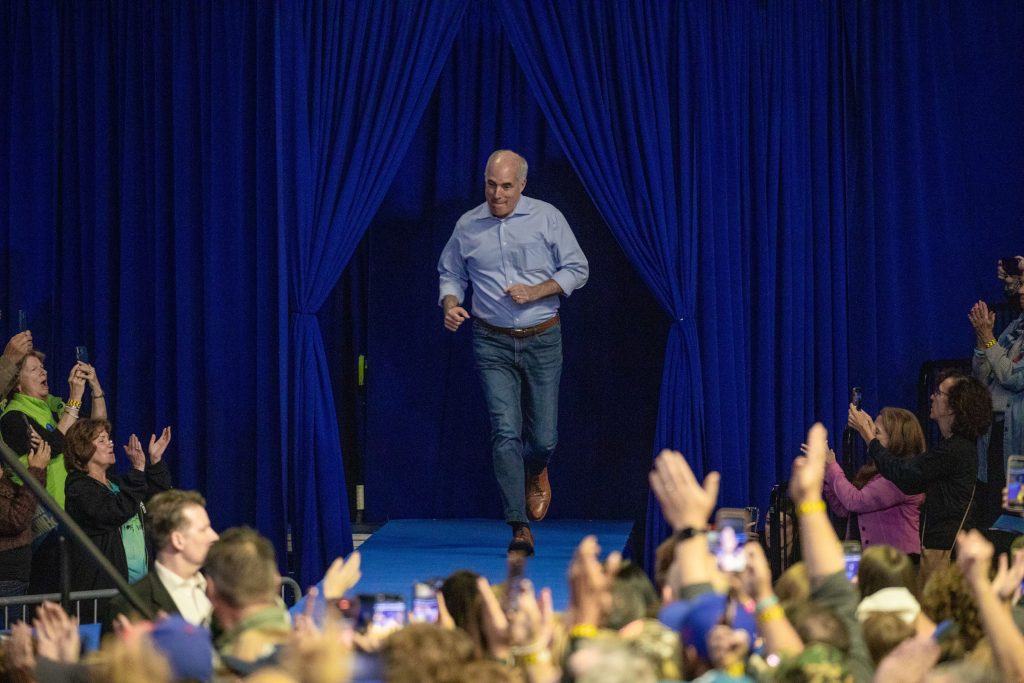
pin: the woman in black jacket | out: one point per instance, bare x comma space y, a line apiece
109, 506
962, 408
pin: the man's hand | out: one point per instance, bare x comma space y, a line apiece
18, 347
808, 474
454, 317
521, 294
684, 501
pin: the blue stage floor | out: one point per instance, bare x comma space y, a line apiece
404, 551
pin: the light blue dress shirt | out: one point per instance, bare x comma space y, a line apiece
531, 245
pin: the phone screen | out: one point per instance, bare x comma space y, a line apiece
381, 613
82, 354
22, 321
726, 545
1015, 482
856, 396
851, 558
424, 601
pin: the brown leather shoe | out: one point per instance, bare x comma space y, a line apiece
522, 541
538, 495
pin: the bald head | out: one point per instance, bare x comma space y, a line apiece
504, 180
507, 156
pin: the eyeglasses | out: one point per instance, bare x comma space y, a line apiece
940, 392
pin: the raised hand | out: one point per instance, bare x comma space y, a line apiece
133, 449
974, 556
983, 321
808, 474
18, 347
76, 382
590, 583
860, 421
57, 634
158, 446
684, 501
342, 576
495, 623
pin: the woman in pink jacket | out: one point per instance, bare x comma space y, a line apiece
885, 514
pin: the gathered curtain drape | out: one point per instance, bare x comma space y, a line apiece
354, 79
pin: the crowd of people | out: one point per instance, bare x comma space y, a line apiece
934, 597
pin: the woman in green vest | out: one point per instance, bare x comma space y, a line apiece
31, 406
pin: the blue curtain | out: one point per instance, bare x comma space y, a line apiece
646, 102
354, 78
183, 184
782, 176
428, 448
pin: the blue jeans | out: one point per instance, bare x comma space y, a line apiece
520, 379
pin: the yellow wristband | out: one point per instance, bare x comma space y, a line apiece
773, 613
990, 343
534, 658
73, 403
583, 631
809, 507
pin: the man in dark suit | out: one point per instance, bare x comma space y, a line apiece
179, 528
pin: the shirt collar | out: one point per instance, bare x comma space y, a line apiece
172, 580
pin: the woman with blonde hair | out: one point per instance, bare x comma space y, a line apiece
885, 514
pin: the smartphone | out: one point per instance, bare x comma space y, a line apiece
1010, 266
731, 524
514, 582
22, 321
1015, 483
856, 396
82, 354
381, 613
851, 556
424, 601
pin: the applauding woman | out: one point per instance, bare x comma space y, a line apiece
886, 514
106, 505
962, 408
999, 364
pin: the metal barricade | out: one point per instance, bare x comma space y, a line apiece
19, 608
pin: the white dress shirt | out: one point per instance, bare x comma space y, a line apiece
188, 594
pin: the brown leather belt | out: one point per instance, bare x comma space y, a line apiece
520, 332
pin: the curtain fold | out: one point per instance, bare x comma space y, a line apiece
626, 87
353, 80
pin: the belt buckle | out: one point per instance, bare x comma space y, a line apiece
519, 331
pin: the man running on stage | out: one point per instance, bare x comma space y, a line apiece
519, 254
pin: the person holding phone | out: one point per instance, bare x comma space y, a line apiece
999, 363
945, 473
31, 411
885, 514
17, 507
